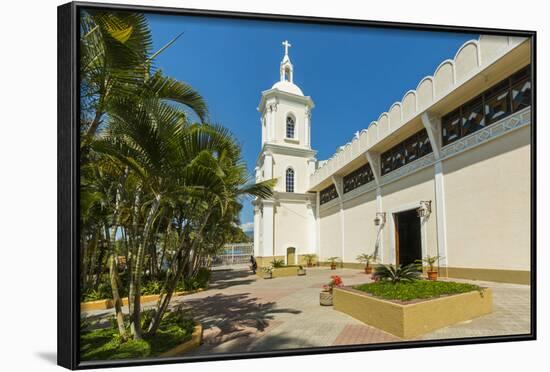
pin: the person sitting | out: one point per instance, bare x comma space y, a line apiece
253, 264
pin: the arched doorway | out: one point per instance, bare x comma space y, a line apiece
291, 256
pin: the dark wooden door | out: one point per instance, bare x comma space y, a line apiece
408, 238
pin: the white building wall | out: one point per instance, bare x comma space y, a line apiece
292, 222
488, 204
330, 232
359, 231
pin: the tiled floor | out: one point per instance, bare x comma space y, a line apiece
242, 312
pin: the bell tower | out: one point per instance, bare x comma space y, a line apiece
283, 223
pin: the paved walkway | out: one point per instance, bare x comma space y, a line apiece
241, 312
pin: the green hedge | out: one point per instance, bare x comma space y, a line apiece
418, 289
105, 344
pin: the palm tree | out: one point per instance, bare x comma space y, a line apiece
149, 174
115, 64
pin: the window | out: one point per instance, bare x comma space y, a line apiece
289, 127
290, 180
521, 90
328, 194
496, 103
414, 147
358, 177
451, 127
287, 74
472, 116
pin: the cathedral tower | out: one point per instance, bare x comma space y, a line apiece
284, 226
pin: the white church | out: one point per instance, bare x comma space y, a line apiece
445, 171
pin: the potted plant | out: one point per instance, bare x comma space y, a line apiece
309, 259
301, 270
268, 272
325, 297
332, 261
367, 259
430, 261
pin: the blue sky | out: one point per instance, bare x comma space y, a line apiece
352, 74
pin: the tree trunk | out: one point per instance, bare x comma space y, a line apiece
165, 300
134, 295
113, 275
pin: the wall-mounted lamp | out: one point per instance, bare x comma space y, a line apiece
425, 209
380, 218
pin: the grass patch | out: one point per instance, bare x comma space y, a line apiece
414, 290
106, 344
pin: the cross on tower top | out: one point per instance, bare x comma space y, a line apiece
287, 45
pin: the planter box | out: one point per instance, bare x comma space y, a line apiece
193, 343
96, 305
280, 271
108, 303
409, 320
143, 299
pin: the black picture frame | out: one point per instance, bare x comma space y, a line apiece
68, 184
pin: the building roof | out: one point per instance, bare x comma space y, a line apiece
288, 87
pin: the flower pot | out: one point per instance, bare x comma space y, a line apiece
301, 272
333, 266
325, 298
368, 269
432, 275
309, 264
268, 275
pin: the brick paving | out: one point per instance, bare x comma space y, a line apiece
242, 312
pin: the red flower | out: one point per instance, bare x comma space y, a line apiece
335, 281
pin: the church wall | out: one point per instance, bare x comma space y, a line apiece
291, 219
405, 194
297, 111
301, 176
331, 232
359, 229
487, 192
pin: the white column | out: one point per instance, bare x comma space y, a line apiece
432, 123
268, 124
256, 229
312, 227
307, 122
374, 161
379, 229
273, 108
268, 166
440, 214
340, 190
262, 123
318, 224
268, 247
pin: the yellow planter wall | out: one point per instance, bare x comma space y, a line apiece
412, 320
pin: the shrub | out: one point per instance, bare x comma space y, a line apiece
175, 328
278, 263
201, 280
401, 273
102, 292
417, 289
152, 287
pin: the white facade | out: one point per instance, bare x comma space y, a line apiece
478, 186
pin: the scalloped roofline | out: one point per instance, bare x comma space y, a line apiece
506, 47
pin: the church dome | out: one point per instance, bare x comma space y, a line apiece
288, 87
